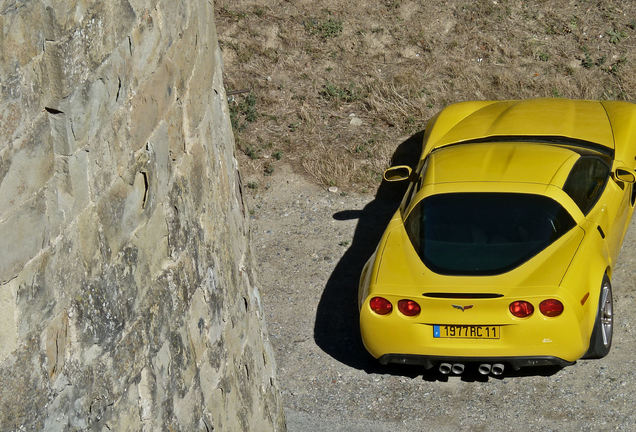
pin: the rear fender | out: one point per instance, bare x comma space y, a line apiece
365, 277
585, 275
622, 117
369, 273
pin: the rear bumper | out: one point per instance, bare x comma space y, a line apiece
522, 341
430, 361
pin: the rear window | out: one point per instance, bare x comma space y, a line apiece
484, 233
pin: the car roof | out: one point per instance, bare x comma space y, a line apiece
579, 120
509, 162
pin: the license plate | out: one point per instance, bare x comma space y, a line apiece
467, 331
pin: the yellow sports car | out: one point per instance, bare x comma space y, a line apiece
501, 252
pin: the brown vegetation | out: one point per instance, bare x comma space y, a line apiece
334, 86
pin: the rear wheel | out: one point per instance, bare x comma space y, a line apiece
601, 339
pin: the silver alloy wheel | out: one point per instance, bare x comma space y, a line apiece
607, 316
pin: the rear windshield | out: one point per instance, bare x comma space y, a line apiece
484, 233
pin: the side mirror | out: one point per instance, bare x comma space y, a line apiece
397, 173
625, 175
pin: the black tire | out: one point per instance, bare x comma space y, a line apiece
601, 339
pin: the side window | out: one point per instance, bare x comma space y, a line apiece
586, 181
413, 224
415, 185
408, 196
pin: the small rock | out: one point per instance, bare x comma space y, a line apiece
355, 121
333, 189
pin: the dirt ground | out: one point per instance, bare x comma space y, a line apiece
330, 86
322, 93
311, 244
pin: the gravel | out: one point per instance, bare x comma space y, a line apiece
310, 245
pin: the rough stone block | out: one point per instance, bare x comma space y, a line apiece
8, 325
23, 236
127, 300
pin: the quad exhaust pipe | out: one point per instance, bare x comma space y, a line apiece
455, 368
484, 368
445, 368
497, 369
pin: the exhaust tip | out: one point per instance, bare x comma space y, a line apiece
484, 368
445, 368
497, 369
457, 368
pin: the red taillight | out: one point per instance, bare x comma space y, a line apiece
409, 307
521, 309
551, 307
380, 305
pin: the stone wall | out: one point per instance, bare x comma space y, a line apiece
127, 299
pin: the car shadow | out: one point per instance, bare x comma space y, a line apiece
336, 327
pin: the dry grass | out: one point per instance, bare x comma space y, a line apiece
316, 68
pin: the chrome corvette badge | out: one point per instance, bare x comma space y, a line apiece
462, 308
